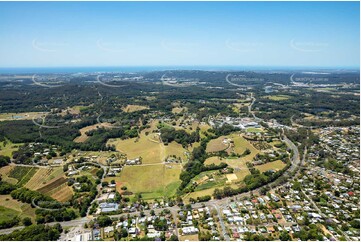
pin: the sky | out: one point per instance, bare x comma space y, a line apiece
71, 34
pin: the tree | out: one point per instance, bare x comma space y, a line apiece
27, 221
104, 221
4, 160
35, 232
284, 236
124, 233
355, 223
173, 238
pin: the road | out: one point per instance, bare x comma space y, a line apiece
250, 106
99, 187
231, 83
323, 215
223, 227
37, 166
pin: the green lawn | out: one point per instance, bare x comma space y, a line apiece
151, 181
254, 130
7, 214
278, 97
274, 165
7, 148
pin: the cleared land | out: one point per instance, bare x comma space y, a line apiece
52, 185
151, 181
239, 146
178, 110
7, 148
21, 116
74, 110
193, 237
216, 145
274, 165
278, 97
4, 172
21, 209
254, 130
83, 137
134, 108
22, 174
208, 179
232, 162
148, 147
175, 149
7, 214
62, 193
43, 177
205, 192
143, 147
241, 174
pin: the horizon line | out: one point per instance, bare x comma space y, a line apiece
125, 66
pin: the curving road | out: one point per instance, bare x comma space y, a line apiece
250, 106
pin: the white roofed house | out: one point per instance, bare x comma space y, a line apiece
108, 231
111, 195
108, 207
190, 230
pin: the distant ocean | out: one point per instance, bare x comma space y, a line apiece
45, 70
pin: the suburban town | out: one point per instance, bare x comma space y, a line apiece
180, 121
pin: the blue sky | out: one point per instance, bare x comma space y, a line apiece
51, 34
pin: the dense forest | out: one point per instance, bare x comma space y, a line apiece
34, 232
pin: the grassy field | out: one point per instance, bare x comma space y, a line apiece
254, 130
18, 208
193, 237
241, 174
208, 179
151, 152
200, 193
214, 160
216, 145
240, 146
9, 148
5, 171
148, 147
74, 110
275, 165
232, 162
7, 214
203, 127
175, 149
178, 110
278, 97
134, 108
83, 137
153, 180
